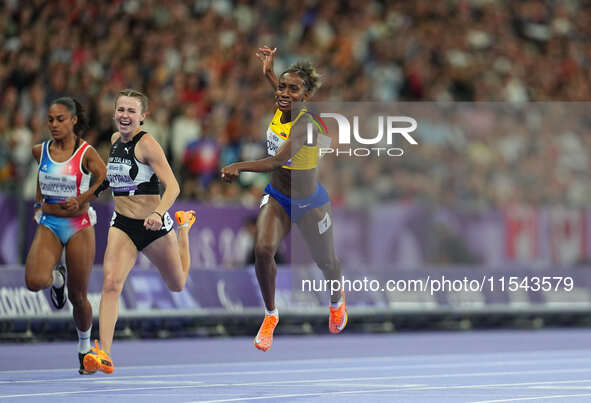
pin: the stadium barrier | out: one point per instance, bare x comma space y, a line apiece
223, 301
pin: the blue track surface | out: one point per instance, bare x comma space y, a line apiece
492, 366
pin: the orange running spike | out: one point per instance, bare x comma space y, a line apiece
185, 218
264, 337
98, 360
338, 317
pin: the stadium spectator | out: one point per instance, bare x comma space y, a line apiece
379, 50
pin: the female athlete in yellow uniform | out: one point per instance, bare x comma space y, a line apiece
294, 194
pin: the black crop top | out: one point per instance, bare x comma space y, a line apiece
126, 175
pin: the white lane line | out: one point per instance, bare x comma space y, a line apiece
392, 389
317, 370
106, 380
316, 382
559, 387
546, 397
154, 382
529, 385
378, 378
435, 376
79, 392
264, 397
478, 357
337, 385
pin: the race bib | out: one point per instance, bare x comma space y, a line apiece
57, 187
274, 143
264, 200
324, 224
167, 221
119, 179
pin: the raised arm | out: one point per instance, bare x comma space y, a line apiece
266, 55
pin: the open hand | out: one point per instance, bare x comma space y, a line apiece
266, 55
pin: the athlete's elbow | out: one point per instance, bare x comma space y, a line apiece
100, 178
174, 189
277, 163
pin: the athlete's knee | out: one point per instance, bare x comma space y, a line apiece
264, 251
112, 284
176, 286
77, 297
35, 283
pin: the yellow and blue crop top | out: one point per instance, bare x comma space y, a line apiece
278, 133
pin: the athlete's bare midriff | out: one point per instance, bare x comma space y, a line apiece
138, 207
297, 184
57, 210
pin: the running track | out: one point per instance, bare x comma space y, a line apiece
479, 366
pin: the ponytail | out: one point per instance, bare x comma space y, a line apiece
82, 124
76, 109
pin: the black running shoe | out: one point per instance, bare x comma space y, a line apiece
58, 295
82, 370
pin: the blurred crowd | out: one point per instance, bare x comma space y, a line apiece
473, 156
210, 104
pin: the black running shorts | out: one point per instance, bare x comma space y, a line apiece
135, 230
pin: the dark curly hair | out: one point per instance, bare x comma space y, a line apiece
307, 72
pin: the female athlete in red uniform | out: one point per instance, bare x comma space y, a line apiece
66, 219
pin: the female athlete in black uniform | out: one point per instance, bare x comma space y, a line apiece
140, 222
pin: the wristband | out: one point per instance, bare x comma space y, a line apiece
161, 216
37, 205
37, 216
103, 186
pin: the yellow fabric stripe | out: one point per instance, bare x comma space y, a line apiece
307, 157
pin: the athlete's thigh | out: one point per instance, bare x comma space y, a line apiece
164, 254
316, 227
273, 224
120, 255
80, 251
45, 252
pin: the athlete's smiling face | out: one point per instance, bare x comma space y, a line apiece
128, 114
61, 122
291, 88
